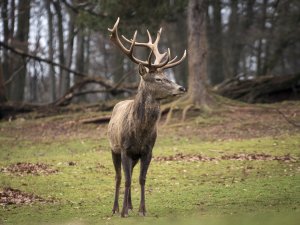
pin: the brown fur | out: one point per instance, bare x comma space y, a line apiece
132, 131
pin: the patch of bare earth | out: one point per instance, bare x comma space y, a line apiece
52, 130
11, 196
243, 123
24, 168
239, 157
235, 122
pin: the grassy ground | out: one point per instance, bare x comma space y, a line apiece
189, 191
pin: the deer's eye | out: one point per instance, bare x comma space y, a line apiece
158, 80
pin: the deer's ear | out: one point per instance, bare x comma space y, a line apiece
142, 70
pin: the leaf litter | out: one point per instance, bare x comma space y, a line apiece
25, 168
237, 156
11, 196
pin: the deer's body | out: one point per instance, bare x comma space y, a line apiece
132, 127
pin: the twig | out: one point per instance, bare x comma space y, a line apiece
287, 119
123, 78
15, 73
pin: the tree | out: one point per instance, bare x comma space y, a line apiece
21, 39
79, 61
2, 87
261, 25
233, 41
197, 50
198, 95
177, 40
51, 50
215, 37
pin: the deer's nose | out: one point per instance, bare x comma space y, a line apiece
182, 89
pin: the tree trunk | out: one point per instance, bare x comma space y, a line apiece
65, 82
6, 34
12, 16
87, 45
117, 65
18, 84
215, 64
51, 51
197, 52
281, 38
259, 55
79, 63
33, 86
177, 39
2, 88
233, 49
60, 35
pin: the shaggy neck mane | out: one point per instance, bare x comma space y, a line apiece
145, 107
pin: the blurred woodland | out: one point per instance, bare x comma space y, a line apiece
57, 52
221, 156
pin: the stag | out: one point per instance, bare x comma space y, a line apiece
132, 128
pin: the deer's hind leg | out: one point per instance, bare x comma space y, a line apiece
117, 164
145, 162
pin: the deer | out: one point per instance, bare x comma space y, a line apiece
132, 129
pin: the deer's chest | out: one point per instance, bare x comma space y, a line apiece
142, 134
140, 142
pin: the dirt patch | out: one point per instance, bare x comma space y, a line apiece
230, 122
239, 123
239, 157
23, 168
10, 196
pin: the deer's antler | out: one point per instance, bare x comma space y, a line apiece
153, 46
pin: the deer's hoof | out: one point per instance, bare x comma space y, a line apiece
142, 214
115, 210
142, 211
124, 215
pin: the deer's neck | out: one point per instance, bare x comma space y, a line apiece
146, 108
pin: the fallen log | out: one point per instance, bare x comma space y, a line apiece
265, 89
10, 110
96, 120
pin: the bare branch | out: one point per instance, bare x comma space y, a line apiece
64, 100
287, 119
104, 82
15, 73
78, 8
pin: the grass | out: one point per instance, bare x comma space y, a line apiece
177, 192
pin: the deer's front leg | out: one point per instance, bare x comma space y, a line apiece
145, 162
127, 167
117, 164
134, 162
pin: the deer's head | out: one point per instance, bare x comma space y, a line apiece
152, 73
